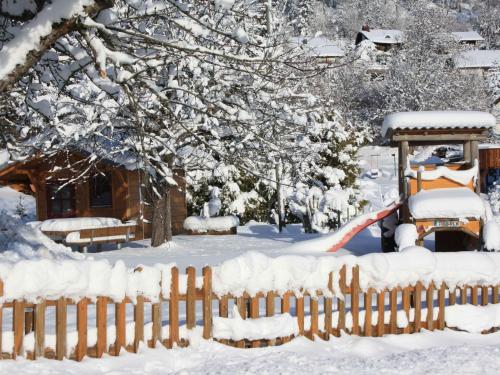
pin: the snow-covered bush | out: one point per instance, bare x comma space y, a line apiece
494, 198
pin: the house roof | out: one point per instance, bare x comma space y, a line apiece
317, 46
430, 120
467, 36
383, 36
477, 59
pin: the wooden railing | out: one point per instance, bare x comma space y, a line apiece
320, 315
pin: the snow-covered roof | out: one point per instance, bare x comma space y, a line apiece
318, 46
467, 36
489, 146
382, 36
477, 59
438, 120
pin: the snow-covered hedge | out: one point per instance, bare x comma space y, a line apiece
205, 224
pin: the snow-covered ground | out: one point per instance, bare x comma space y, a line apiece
447, 352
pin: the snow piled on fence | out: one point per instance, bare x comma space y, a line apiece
236, 328
252, 273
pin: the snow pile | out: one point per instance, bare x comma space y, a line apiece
438, 120
446, 203
406, 236
473, 319
236, 328
491, 235
463, 177
205, 224
78, 223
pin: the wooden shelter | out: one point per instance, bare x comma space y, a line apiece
411, 129
109, 189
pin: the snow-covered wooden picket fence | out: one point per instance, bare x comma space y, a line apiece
317, 314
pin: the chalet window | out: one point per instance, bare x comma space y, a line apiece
60, 201
101, 191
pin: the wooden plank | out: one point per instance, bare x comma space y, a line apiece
207, 303
61, 327
417, 299
380, 313
270, 307
313, 310
495, 294
254, 314
484, 296
406, 307
393, 305
429, 297
241, 304
81, 326
102, 326
18, 324
139, 323
341, 301
452, 297
191, 298
355, 300
39, 330
120, 326
285, 303
173, 310
441, 305
299, 309
328, 307
156, 328
474, 295
463, 295
223, 306
367, 331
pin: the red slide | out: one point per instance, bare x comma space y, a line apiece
350, 229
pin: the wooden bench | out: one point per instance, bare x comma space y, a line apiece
83, 238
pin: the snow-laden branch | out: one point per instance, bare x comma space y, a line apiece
35, 37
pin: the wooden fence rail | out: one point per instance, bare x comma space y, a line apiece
371, 312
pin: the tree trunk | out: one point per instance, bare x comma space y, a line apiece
162, 221
281, 210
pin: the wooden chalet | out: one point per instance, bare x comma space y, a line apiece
418, 183
110, 190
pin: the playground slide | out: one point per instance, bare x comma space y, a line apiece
346, 232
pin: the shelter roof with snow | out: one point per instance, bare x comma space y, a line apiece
484, 59
438, 126
467, 36
317, 46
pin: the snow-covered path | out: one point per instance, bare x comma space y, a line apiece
447, 352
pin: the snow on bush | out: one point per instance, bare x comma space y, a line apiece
494, 198
406, 235
205, 224
237, 328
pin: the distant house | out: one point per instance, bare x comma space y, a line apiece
323, 49
383, 39
467, 37
113, 189
477, 61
